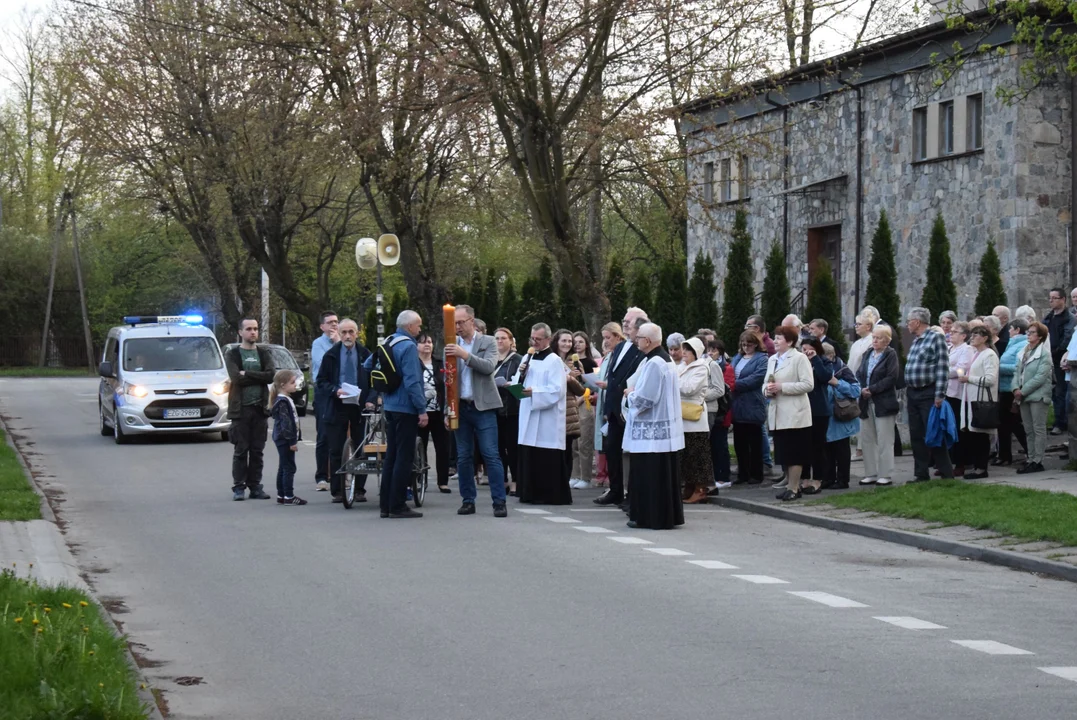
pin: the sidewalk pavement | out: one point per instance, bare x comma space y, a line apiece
1048, 558
35, 549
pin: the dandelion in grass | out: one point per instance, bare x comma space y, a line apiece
67, 606
35, 621
83, 603
18, 620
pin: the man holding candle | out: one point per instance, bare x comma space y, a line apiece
476, 361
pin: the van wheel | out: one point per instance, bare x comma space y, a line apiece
105, 429
117, 432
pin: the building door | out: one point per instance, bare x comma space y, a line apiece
825, 242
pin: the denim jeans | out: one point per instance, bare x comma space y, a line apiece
401, 431
1059, 393
285, 471
481, 426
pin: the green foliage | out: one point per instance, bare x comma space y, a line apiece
881, 292
739, 290
458, 295
823, 303
940, 293
617, 290
18, 501
397, 305
510, 307
671, 299
991, 292
490, 311
569, 315
641, 289
777, 295
544, 308
526, 314
370, 328
475, 289
702, 306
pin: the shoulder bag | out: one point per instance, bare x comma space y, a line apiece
985, 414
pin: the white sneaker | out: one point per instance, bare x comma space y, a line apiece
883, 481
582, 484
867, 481
782, 484
322, 486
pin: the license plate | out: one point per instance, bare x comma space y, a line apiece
176, 413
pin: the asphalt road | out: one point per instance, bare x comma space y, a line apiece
318, 612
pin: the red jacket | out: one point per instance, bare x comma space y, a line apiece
730, 376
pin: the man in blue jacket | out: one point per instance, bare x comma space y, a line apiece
405, 413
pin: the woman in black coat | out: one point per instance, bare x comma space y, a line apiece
434, 390
818, 473
508, 417
879, 376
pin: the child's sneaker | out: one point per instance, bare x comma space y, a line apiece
293, 501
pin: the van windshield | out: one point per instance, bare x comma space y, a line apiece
171, 353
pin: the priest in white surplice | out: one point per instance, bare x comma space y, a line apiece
543, 475
654, 433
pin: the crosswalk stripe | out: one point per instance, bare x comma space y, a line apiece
827, 599
911, 623
991, 647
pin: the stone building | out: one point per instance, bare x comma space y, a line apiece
813, 173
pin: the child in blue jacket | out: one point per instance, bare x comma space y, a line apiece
286, 434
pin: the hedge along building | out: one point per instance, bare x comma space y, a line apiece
815, 155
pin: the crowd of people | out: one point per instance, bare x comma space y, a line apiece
650, 420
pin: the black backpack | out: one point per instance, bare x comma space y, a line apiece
385, 376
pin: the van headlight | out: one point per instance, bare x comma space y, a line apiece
136, 391
220, 388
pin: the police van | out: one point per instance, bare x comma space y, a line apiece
162, 374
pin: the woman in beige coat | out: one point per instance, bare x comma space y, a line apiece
979, 383
696, 468
788, 382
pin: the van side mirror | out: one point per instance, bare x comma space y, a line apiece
105, 369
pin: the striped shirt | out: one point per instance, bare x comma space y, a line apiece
928, 363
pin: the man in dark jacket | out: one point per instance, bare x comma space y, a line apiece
1060, 326
250, 371
343, 363
626, 357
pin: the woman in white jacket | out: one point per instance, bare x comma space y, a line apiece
979, 383
696, 467
788, 382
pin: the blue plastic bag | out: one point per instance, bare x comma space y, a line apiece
941, 427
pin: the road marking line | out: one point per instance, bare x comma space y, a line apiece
667, 551
713, 564
1066, 673
609, 509
532, 511
560, 519
624, 540
827, 599
911, 623
762, 579
991, 647
593, 529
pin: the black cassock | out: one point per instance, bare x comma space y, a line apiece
654, 493
543, 477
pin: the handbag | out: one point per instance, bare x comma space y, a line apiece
846, 409
691, 411
985, 415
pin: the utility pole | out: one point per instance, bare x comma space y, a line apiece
82, 290
52, 284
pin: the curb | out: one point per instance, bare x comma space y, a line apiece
145, 695
994, 556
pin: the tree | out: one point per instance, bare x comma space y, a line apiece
526, 314
881, 292
509, 307
702, 309
671, 299
739, 289
568, 308
475, 290
397, 305
641, 289
991, 292
776, 293
544, 308
940, 293
370, 328
823, 303
490, 310
617, 290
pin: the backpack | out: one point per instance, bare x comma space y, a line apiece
385, 376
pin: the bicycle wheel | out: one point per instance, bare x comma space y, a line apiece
419, 472
347, 480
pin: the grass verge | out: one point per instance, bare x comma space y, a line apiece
1020, 512
44, 372
59, 658
18, 501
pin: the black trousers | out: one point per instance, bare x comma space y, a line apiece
840, 455
248, 435
401, 430
977, 449
348, 420
321, 449
920, 401
508, 443
436, 429
820, 464
1009, 427
748, 444
615, 467
959, 450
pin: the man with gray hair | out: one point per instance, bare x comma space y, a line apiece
926, 372
543, 420
673, 347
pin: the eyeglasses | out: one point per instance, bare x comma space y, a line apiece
334, 321
534, 340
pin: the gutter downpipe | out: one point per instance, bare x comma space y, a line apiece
860, 183
785, 174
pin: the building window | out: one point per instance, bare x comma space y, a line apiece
708, 183
946, 128
727, 180
919, 134
974, 121
742, 182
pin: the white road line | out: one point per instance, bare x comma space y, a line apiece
532, 511
827, 599
713, 564
593, 529
991, 647
1066, 673
911, 623
560, 519
762, 579
667, 551
626, 540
